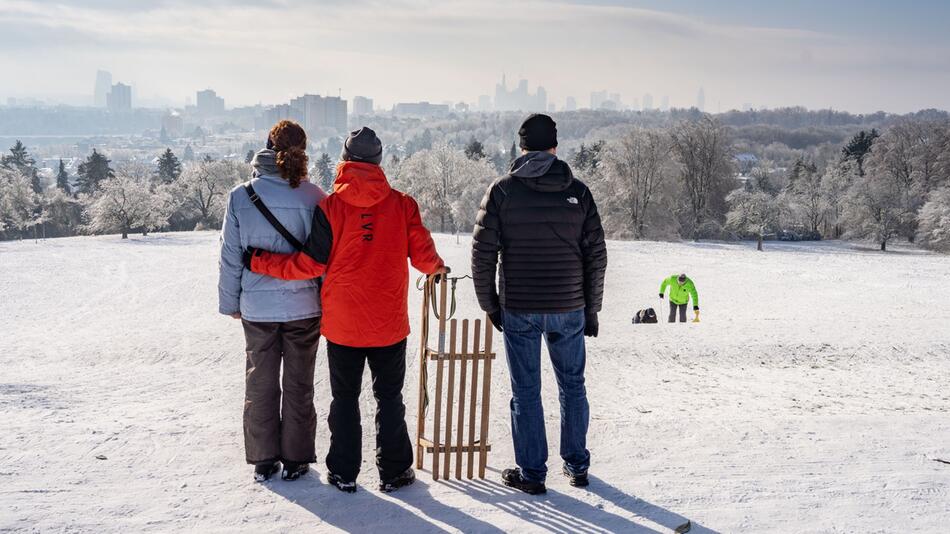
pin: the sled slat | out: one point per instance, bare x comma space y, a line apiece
486, 401
472, 413
423, 361
437, 421
461, 412
450, 398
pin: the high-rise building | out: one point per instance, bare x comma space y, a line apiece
362, 106
570, 104
597, 99
209, 103
605, 100
519, 99
701, 100
647, 102
103, 86
173, 124
321, 112
119, 97
665, 103
276, 114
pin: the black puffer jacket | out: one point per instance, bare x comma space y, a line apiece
546, 227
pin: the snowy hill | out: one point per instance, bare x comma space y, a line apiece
812, 398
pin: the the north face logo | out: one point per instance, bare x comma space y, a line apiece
572, 200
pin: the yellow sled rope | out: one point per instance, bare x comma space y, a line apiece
696, 319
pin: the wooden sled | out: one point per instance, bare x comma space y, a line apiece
459, 398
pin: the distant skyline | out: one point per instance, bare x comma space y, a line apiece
849, 55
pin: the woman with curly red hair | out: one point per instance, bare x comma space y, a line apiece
281, 319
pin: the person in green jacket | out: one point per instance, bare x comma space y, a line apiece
681, 289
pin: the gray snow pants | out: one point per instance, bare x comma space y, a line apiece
682, 310
280, 427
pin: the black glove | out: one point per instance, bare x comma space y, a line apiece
495, 317
246, 257
591, 326
695, 308
661, 295
438, 276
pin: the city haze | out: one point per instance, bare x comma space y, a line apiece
859, 57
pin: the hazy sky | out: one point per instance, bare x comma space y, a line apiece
853, 55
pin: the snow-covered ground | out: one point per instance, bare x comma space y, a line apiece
813, 397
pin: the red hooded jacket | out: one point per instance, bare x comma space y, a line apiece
360, 238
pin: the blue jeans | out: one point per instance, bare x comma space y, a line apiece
564, 334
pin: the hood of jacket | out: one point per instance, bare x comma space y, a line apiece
542, 171
264, 163
360, 184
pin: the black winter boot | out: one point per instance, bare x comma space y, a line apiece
578, 480
346, 486
406, 478
293, 470
264, 470
514, 479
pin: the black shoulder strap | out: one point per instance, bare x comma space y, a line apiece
259, 204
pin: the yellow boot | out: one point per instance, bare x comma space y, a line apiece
696, 319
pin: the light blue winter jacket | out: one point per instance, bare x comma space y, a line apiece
261, 298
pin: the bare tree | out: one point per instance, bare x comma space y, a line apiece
835, 183
447, 184
202, 189
634, 168
703, 153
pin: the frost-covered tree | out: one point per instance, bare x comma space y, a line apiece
634, 168
474, 149
62, 178
92, 172
835, 184
189, 153
754, 212
323, 168
875, 208
125, 203
203, 187
18, 202
858, 147
61, 213
447, 185
807, 196
892, 165
933, 230
20, 160
587, 159
169, 168
931, 141
702, 151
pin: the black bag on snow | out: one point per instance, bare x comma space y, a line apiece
645, 316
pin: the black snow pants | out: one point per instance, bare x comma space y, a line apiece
387, 366
280, 427
682, 310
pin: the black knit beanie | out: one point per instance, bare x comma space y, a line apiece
538, 132
362, 145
